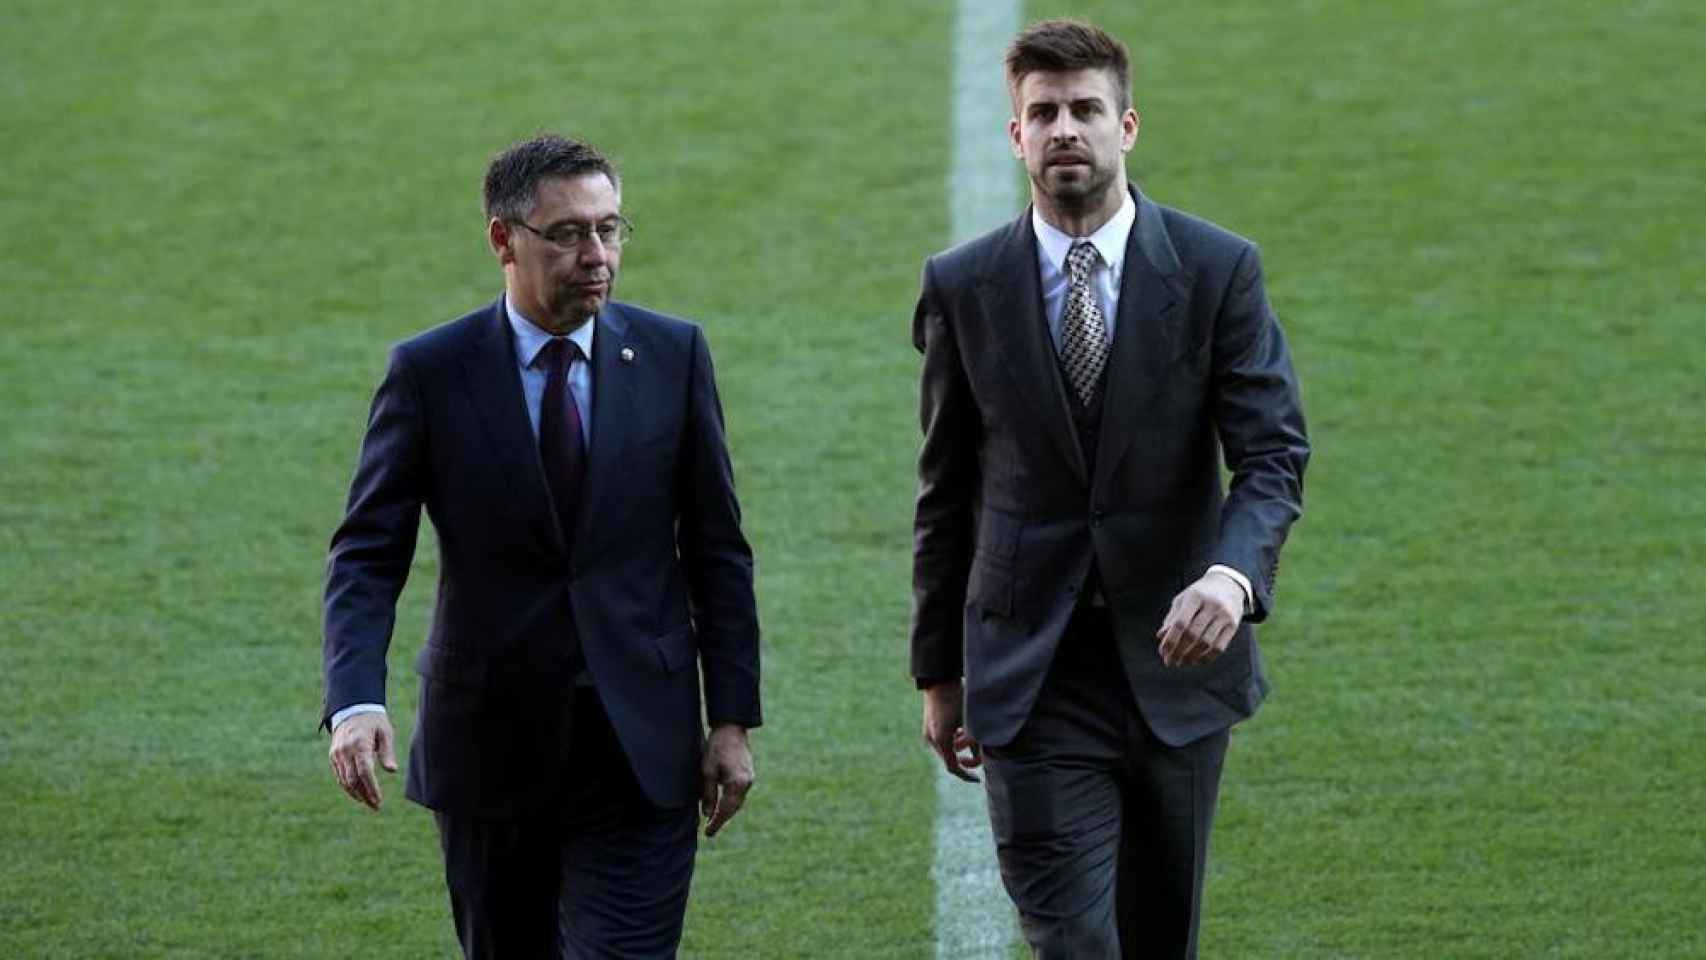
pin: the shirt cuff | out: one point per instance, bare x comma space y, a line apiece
1243, 583
354, 709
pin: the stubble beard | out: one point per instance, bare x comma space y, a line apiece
1077, 195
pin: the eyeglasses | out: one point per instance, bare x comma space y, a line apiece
611, 234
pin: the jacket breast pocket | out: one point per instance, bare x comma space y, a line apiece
656, 449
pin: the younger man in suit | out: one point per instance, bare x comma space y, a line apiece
1084, 588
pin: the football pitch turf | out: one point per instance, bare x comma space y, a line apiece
1482, 228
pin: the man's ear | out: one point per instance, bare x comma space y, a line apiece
501, 240
1013, 131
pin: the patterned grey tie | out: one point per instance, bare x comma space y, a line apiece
1084, 334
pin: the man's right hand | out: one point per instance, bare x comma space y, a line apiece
356, 743
943, 710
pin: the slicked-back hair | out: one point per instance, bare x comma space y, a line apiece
1065, 46
512, 181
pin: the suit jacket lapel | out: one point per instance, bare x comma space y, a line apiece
614, 395
1012, 299
1146, 334
493, 380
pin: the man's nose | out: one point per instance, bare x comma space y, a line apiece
592, 250
1065, 129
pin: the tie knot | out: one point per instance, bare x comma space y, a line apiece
1081, 259
559, 353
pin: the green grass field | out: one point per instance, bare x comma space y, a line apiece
1482, 227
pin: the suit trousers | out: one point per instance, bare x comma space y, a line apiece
1101, 829
604, 876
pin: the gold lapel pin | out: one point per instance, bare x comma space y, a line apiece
627, 354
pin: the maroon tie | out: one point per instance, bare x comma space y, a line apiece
560, 446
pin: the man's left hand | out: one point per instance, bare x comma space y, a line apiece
725, 775
1202, 621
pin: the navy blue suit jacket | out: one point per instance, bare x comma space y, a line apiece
657, 586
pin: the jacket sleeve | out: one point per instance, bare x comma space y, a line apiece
716, 557
373, 547
942, 531
1259, 417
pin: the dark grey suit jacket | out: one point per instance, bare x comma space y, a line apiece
1009, 518
657, 587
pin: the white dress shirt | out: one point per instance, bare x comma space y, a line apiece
1110, 238
530, 339
1052, 247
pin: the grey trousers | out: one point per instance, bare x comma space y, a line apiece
1101, 829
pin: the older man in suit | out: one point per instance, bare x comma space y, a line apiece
1084, 587
570, 453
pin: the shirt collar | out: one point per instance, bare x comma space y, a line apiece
1110, 241
530, 338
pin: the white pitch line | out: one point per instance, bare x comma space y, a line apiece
982, 182
974, 918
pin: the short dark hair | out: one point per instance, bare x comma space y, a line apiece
513, 178
1063, 46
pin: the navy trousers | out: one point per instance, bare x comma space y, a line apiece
606, 876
